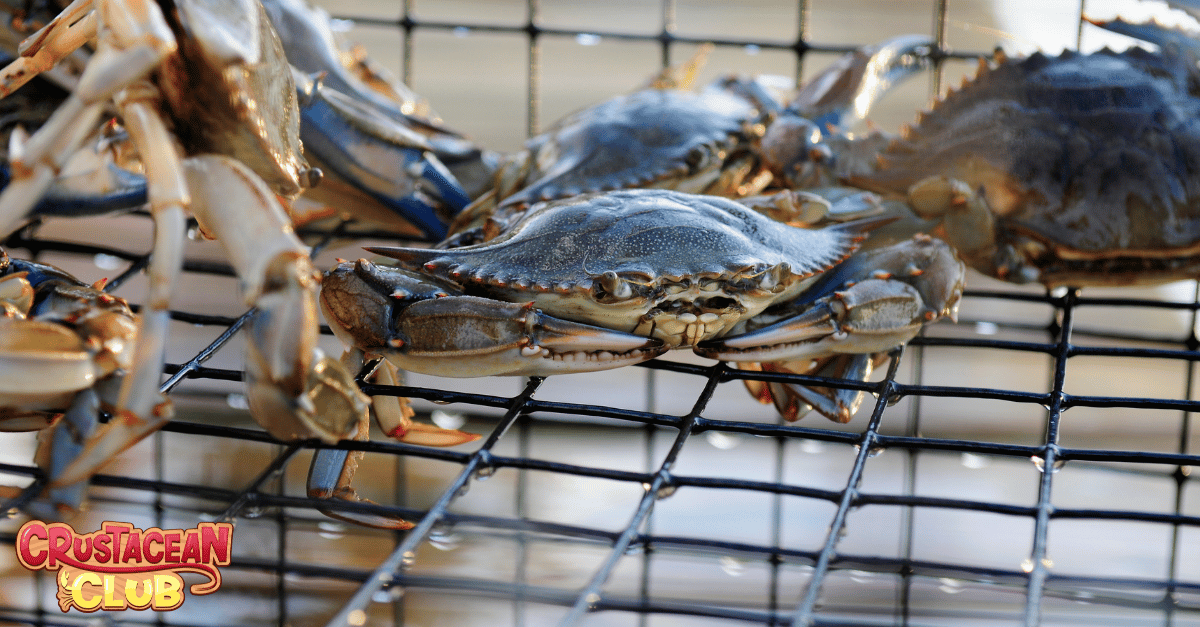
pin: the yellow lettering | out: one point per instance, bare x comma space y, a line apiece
168, 593
139, 601
110, 602
92, 603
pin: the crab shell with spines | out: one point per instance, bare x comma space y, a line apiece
732, 138
1077, 169
631, 273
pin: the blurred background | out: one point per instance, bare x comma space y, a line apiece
557, 516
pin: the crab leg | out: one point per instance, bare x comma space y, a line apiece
293, 386
874, 301
41, 51
794, 401
332, 471
141, 38
141, 409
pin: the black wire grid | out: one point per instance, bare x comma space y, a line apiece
812, 579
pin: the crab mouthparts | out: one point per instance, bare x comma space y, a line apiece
687, 322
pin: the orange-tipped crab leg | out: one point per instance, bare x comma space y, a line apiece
332, 471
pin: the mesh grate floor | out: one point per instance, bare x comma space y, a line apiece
1029, 465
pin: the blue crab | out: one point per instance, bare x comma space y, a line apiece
732, 138
64, 346
1080, 169
609, 279
387, 156
226, 153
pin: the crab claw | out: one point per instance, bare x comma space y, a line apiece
295, 391
844, 324
874, 301
428, 326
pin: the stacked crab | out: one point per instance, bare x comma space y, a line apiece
743, 224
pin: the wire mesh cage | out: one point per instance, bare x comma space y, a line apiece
1029, 465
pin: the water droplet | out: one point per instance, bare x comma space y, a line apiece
356, 618
752, 49
1027, 565
107, 262
645, 486
812, 447
11, 513
664, 492
331, 530
635, 549
732, 566
592, 599
1083, 597
408, 559
587, 39
194, 234
1040, 464
462, 491
462, 31
444, 539
237, 401
951, 586
381, 596
862, 576
483, 473
986, 328
252, 511
437, 402
874, 451
448, 419
722, 440
975, 462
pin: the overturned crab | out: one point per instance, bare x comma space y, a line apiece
227, 153
732, 138
1080, 169
610, 279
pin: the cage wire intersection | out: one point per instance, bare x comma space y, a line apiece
634, 565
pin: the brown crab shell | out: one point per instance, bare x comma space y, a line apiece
1090, 163
230, 91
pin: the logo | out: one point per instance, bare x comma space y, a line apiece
120, 567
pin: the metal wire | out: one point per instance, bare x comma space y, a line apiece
1170, 599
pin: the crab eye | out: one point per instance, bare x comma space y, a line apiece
610, 287
697, 158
